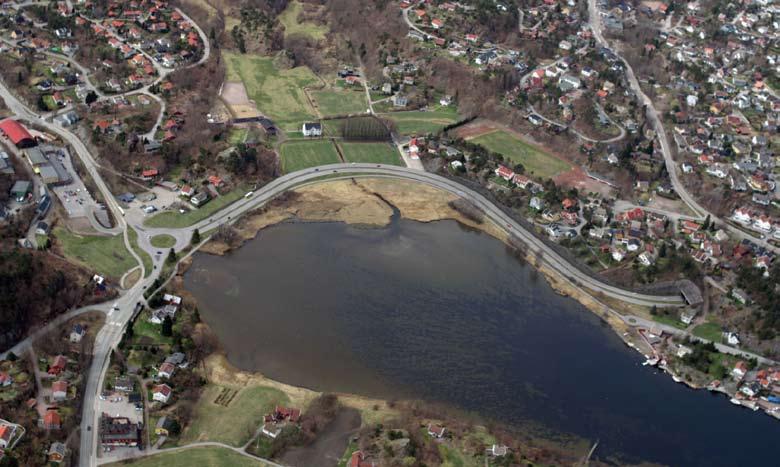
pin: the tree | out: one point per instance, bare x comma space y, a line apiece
167, 327
195, 237
90, 98
171, 257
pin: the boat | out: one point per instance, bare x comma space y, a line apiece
676, 379
735, 401
651, 361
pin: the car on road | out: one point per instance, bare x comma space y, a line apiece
249, 195
116, 306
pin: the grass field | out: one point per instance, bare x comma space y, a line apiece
145, 258
709, 331
418, 122
669, 321
289, 19
277, 93
535, 161
237, 135
173, 219
106, 256
297, 155
163, 241
333, 103
210, 456
380, 153
235, 418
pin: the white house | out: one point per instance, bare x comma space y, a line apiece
59, 390
743, 215
646, 258
732, 338
763, 223
77, 333
536, 203
436, 431
691, 100
311, 129
161, 393
618, 254
166, 370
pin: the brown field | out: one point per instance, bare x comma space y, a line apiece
237, 100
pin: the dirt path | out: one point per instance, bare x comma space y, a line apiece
330, 444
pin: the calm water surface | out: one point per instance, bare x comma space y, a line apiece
438, 312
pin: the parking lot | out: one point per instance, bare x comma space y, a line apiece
74, 196
116, 404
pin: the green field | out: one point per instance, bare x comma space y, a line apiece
535, 161
237, 135
709, 331
332, 103
380, 153
106, 256
132, 235
297, 155
175, 220
210, 456
163, 241
417, 122
277, 93
235, 423
289, 19
669, 321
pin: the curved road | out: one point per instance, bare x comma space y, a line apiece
536, 246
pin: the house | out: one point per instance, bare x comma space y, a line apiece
162, 393
359, 459
399, 100
311, 129
52, 419
60, 361
618, 254
59, 390
6, 379
187, 191
688, 316
123, 383
732, 338
200, 199
166, 370
536, 203
740, 295
436, 431
569, 82
740, 370
498, 450
118, 431
7, 432
56, 452
271, 430
163, 427
42, 228
505, 172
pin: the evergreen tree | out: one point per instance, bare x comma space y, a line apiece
195, 237
167, 327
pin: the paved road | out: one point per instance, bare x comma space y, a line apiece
241, 450
655, 120
535, 245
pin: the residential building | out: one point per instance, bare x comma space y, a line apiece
118, 431
162, 393
311, 129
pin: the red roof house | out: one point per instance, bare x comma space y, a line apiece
17, 133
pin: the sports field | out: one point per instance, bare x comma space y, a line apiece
380, 153
277, 93
536, 162
417, 122
297, 155
210, 456
345, 102
289, 19
231, 414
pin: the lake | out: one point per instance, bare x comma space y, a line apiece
439, 312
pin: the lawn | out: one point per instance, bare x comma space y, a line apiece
234, 423
210, 456
107, 256
419, 122
176, 220
289, 19
380, 153
147, 260
163, 241
277, 93
237, 135
535, 161
146, 333
709, 331
669, 321
332, 103
297, 155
